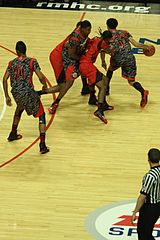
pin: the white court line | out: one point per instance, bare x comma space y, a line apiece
4, 103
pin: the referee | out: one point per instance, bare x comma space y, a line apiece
148, 202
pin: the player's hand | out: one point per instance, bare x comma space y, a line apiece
104, 65
8, 101
44, 88
100, 30
133, 218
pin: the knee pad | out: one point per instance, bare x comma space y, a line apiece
42, 119
109, 74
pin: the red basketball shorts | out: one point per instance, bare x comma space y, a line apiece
89, 71
72, 72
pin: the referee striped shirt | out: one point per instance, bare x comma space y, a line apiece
151, 185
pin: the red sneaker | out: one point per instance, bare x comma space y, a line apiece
144, 99
101, 116
52, 108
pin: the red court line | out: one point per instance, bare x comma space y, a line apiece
8, 50
50, 121
83, 15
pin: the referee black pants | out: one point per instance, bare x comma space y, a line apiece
148, 216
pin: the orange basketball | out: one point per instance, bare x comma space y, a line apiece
150, 52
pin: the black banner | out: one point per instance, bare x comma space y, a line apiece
143, 6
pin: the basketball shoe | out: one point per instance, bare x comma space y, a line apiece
14, 136
52, 108
43, 148
144, 98
98, 113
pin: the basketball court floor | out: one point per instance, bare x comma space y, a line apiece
90, 164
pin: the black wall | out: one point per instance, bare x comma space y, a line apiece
33, 3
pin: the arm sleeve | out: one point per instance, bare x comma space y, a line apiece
36, 65
128, 35
147, 183
9, 67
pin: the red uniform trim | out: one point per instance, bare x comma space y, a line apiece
129, 78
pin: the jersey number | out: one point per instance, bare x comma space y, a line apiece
19, 72
121, 44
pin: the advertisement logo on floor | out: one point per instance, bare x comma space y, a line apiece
113, 222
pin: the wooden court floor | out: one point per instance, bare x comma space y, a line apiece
90, 164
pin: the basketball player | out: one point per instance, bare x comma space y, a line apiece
121, 56
20, 71
85, 88
65, 60
94, 76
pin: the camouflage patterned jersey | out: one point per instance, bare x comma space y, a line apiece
120, 46
21, 70
75, 40
121, 55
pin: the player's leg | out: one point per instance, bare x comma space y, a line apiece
42, 128
53, 89
139, 88
92, 98
129, 72
57, 65
95, 78
101, 95
64, 87
109, 75
85, 88
16, 119
106, 106
58, 88
88, 71
65, 81
101, 82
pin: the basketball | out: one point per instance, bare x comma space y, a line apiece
150, 52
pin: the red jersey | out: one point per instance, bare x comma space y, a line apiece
95, 45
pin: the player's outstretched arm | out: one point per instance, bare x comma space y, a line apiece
139, 45
42, 78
